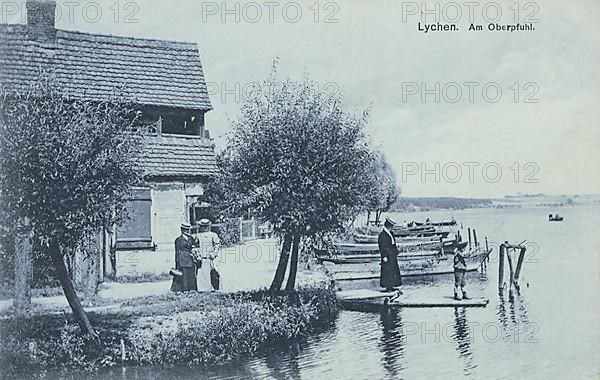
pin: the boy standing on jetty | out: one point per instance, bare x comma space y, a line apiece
460, 268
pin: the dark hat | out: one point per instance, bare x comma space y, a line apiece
390, 221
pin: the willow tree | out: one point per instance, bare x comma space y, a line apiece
300, 159
385, 190
66, 169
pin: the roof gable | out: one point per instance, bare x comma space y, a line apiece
91, 66
170, 156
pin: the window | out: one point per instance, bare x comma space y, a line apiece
174, 121
135, 232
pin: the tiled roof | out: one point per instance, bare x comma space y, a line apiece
90, 66
167, 156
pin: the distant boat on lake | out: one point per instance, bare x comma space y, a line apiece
555, 218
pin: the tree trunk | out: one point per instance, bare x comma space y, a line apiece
282, 265
291, 282
69, 290
368, 217
23, 274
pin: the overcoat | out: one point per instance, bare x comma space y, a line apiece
390, 271
185, 262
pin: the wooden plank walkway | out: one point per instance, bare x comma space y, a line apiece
368, 299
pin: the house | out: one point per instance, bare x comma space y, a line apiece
167, 81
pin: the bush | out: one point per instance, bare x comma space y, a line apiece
229, 232
34, 348
194, 328
246, 324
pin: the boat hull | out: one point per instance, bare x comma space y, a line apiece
422, 264
449, 246
445, 223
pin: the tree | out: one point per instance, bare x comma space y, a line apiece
299, 159
384, 189
66, 169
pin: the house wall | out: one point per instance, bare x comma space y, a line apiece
168, 211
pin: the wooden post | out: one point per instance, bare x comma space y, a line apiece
469, 229
23, 272
475, 238
486, 244
501, 266
519, 264
123, 354
510, 266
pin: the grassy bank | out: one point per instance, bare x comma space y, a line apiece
186, 329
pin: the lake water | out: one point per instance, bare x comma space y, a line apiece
550, 330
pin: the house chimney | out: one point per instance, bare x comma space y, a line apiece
40, 20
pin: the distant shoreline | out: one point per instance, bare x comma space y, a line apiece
416, 204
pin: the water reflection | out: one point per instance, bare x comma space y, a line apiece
391, 343
284, 364
513, 318
462, 336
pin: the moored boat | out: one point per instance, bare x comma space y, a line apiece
370, 258
446, 223
404, 245
420, 233
422, 263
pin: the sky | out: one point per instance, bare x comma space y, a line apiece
457, 113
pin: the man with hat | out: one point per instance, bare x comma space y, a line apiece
185, 261
390, 271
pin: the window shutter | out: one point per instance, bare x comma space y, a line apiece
135, 232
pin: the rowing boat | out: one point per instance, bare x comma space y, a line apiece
420, 263
449, 246
440, 223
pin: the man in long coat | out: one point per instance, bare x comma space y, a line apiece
390, 271
185, 261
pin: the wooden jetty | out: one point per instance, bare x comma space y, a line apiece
371, 300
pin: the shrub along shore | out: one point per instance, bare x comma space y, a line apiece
172, 329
